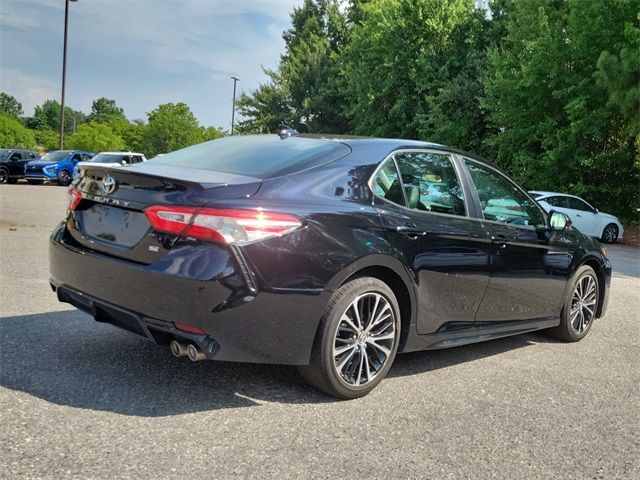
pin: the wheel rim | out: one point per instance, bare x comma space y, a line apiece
64, 177
583, 304
610, 233
3, 176
364, 339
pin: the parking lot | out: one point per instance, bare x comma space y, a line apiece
85, 400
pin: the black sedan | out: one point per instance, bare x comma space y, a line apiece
333, 254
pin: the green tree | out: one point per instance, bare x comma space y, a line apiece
47, 139
47, 117
133, 136
556, 124
170, 127
407, 58
104, 110
13, 134
10, 105
307, 91
95, 137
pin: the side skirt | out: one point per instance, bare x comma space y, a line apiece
461, 334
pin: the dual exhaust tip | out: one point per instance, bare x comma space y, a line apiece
186, 350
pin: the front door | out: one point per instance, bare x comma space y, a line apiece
424, 210
528, 273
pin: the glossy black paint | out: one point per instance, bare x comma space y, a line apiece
464, 280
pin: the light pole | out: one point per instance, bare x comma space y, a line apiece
64, 70
233, 110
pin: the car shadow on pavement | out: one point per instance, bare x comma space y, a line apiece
68, 359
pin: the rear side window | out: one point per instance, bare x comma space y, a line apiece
577, 204
429, 180
556, 201
259, 156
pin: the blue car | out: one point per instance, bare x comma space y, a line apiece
57, 166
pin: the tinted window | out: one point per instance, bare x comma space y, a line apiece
577, 204
16, 156
556, 201
106, 158
4, 154
431, 183
260, 156
386, 183
55, 156
501, 200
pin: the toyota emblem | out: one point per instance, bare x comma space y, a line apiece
109, 184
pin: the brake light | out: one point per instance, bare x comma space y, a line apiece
75, 197
220, 225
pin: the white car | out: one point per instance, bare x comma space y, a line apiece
584, 217
110, 159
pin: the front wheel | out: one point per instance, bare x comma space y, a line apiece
64, 178
610, 233
580, 306
357, 340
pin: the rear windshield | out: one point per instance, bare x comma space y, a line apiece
259, 156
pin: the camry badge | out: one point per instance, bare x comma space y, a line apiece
109, 184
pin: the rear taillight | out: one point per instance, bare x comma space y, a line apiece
216, 225
75, 197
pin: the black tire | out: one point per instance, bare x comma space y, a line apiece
64, 178
610, 233
34, 182
365, 354
4, 175
567, 330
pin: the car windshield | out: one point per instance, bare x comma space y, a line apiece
55, 156
106, 158
259, 156
4, 154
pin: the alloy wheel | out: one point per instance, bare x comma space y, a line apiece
583, 304
364, 339
4, 177
65, 178
611, 233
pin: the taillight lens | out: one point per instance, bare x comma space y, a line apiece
220, 225
75, 197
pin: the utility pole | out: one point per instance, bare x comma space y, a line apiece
64, 70
233, 110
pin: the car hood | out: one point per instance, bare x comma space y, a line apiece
41, 163
93, 164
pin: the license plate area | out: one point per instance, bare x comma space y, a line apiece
113, 225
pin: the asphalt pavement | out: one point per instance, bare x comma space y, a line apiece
79, 399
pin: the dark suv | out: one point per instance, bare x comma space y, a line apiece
12, 162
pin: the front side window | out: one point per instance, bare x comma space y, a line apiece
577, 204
501, 199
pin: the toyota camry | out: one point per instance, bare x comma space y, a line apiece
332, 254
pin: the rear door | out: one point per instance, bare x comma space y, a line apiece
584, 216
428, 219
528, 274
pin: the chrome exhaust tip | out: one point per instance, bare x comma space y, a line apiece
178, 349
194, 353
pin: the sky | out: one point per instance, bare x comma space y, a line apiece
141, 53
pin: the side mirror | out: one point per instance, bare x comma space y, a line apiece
595, 210
124, 162
559, 221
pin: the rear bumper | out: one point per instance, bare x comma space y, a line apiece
240, 324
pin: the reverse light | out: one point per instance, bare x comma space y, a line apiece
230, 226
75, 197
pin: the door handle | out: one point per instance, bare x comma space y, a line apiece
410, 231
499, 240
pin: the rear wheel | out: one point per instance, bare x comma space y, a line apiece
580, 307
610, 233
4, 175
64, 178
357, 340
